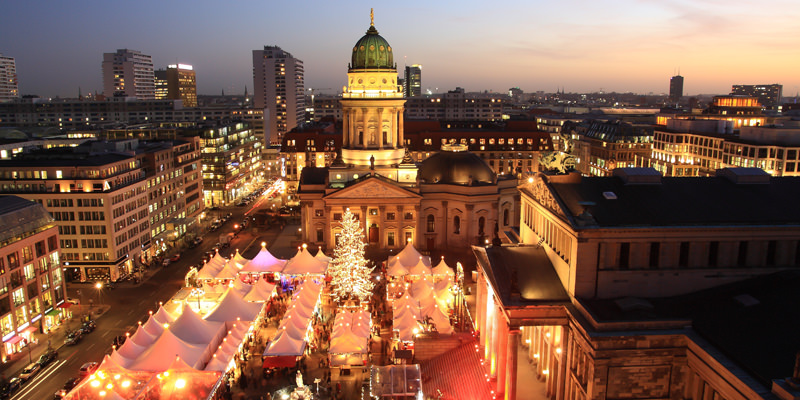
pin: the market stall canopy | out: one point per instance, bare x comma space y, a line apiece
238, 259
397, 269
285, 345
443, 269
160, 355
233, 307
241, 287
262, 291
348, 342
210, 270
264, 262
409, 256
321, 256
304, 263
419, 268
163, 316
190, 328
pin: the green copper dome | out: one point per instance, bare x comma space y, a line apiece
372, 52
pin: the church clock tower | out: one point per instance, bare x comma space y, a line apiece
372, 106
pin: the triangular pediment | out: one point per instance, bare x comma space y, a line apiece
373, 188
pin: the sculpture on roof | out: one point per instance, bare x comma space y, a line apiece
561, 161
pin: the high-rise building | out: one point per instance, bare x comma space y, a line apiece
279, 88
412, 84
768, 95
675, 89
128, 73
8, 79
177, 82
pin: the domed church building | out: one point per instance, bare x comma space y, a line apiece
450, 201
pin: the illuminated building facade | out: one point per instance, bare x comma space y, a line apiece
607, 297
9, 87
602, 146
128, 73
177, 82
451, 200
97, 194
231, 162
769, 96
457, 105
279, 89
412, 83
31, 281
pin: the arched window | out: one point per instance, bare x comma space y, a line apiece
505, 217
431, 223
457, 224
481, 225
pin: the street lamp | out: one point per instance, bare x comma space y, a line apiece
99, 287
199, 293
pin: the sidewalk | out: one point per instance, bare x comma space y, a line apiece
18, 361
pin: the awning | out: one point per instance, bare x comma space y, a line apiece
65, 304
52, 312
29, 329
14, 340
280, 362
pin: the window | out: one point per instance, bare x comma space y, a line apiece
40, 249
408, 215
431, 223
390, 216
505, 217
373, 211
481, 225
771, 246
683, 257
624, 255
337, 216
319, 213
30, 272
409, 236
390, 239
27, 254
655, 248
13, 260
320, 235
456, 224
713, 254
742, 257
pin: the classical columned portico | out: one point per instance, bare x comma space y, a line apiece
511, 364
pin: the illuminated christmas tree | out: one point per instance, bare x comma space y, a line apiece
350, 271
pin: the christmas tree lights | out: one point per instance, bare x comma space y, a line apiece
350, 271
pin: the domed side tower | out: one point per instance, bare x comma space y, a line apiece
454, 165
372, 105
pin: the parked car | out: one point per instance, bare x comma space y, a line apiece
10, 387
88, 368
75, 302
165, 262
47, 357
30, 371
175, 257
73, 337
119, 340
68, 385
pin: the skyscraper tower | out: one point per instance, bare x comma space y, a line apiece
128, 73
412, 84
372, 105
9, 90
675, 89
278, 88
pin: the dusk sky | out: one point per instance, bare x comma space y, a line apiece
582, 46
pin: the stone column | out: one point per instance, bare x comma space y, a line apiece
445, 225
502, 352
345, 126
511, 364
365, 128
480, 298
380, 128
393, 128
400, 134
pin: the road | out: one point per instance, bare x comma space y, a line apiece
130, 304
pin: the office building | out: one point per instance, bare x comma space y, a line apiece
31, 280
128, 73
412, 83
161, 88
9, 88
457, 105
181, 84
278, 88
769, 96
602, 146
675, 89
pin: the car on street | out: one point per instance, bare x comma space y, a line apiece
68, 385
73, 337
88, 368
9, 388
175, 257
30, 371
47, 357
88, 326
119, 340
165, 262
74, 302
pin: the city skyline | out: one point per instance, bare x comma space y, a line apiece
633, 46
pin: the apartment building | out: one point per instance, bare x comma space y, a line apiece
128, 73
32, 294
9, 87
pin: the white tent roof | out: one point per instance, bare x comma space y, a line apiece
131, 349
153, 327
264, 261
142, 337
285, 345
190, 328
242, 287
232, 306
420, 268
397, 269
408, 256
321, 256
421, 288
118, 359
163, 316
443, 269
161, 354
217, 363
348, 342
261, 291
304, 263
238, 259
210, 270
229, 272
